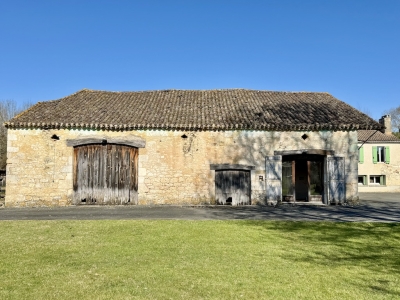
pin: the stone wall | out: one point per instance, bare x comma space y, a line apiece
174, 166
390, 170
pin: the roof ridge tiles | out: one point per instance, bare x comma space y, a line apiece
196, 90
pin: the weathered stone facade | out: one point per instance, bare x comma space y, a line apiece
174, 166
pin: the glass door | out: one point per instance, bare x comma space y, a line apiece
288, 181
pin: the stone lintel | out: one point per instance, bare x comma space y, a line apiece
231, 167
305, 151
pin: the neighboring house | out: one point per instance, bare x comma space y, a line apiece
379, 160
184, 147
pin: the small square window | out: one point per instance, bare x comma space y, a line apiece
374, 179
362, 180
304, 136
377, 180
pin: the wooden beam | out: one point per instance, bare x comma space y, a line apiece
231, 167
305, 151
132, 141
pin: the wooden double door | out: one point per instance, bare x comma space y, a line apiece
105, 174
302, 178
305, 178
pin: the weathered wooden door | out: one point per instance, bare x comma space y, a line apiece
105, 174
232, 187
273, 178
336, 179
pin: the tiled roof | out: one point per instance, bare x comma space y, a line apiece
195, 110
376, 136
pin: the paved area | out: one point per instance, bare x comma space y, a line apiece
380, 197
374, 207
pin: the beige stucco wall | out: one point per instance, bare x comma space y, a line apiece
171, 169
390, 170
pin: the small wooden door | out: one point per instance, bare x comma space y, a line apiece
273, 182
105, 174
232, 187
336, 179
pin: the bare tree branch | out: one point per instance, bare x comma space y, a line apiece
395, 115
8, 109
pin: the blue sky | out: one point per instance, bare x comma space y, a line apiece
351, 49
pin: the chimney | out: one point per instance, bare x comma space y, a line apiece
387, 122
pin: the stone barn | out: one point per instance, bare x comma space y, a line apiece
228, 147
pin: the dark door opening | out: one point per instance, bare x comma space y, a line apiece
301, 180
302, 177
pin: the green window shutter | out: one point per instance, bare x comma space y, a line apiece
387, 155
383, 180
361, 155
374, 154
365, 179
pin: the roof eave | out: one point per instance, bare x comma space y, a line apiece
194, 127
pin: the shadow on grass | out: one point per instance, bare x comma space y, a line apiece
370, 247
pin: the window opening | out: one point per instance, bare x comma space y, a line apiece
380, 154
377, 179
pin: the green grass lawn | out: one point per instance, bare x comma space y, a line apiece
131, 259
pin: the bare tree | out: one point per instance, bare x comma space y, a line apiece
8, 109
395, 116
